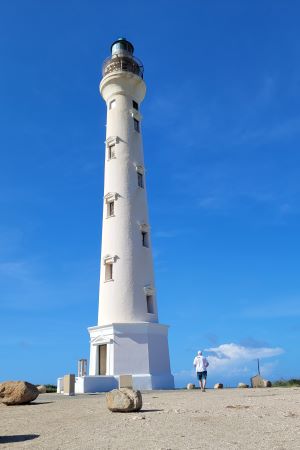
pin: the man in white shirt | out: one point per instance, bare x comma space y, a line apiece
201, 364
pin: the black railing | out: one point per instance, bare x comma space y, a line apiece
122, 64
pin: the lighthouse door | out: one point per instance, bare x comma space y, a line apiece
102, 352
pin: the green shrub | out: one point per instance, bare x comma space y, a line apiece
50, 388
293, 382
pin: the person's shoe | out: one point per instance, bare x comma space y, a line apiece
203, 389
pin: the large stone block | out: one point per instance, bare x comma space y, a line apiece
243, 385
17, 392
69, 384
218, 386
190, 386
124, 400
125, 381
257, 382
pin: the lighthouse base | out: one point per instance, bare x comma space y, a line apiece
137, 349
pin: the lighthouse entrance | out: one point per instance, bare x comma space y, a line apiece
102, 353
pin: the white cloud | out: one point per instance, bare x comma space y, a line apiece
234, 359
232, 363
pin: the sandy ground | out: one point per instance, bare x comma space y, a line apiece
215, 419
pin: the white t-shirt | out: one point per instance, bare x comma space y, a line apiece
201, 363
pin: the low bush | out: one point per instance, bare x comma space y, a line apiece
50, 388
293, 382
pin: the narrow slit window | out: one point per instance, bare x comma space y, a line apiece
112, 104
140, 177
111, 151
110, 209
135, 105
136, 125
145, 239
108, 271
150, 304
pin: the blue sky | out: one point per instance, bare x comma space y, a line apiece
221, 136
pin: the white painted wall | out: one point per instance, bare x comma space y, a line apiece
139, 349
124, 298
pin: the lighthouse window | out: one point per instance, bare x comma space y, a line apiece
110, 209
150, 306
111, 151
140, 179
136, 125
135, 105
112, 104
145, 239
108, 271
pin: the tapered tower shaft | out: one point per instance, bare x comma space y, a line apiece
128, 338
127, 292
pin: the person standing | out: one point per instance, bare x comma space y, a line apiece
201, 364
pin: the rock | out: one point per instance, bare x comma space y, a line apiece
218, 386
190, 386
267, 383
42, 389
243, 385
17, 392
124, 400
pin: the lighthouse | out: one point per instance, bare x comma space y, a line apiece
128, 338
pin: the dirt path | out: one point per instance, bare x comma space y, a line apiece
222, 419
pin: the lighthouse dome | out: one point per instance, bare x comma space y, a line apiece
122, 47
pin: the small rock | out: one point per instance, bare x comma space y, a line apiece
17, 392
243, 385
218, 386
190, 386
42, 389
124, 400
139, 418
267, 383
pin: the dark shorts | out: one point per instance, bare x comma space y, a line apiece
201, 375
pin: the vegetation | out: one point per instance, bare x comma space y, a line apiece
51, 388
293, 382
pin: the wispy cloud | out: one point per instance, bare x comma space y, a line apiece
29, 285
165, 234
283, 130
15, 269
273, 310
172, 233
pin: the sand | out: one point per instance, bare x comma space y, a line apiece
216, 419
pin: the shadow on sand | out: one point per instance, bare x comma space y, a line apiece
38, 403
18, 438
150, 410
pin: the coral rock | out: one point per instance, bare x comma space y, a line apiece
17, 392
42, 389
124, 400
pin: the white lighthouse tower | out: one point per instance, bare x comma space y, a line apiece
128, 338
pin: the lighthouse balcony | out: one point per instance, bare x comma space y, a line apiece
120, 63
